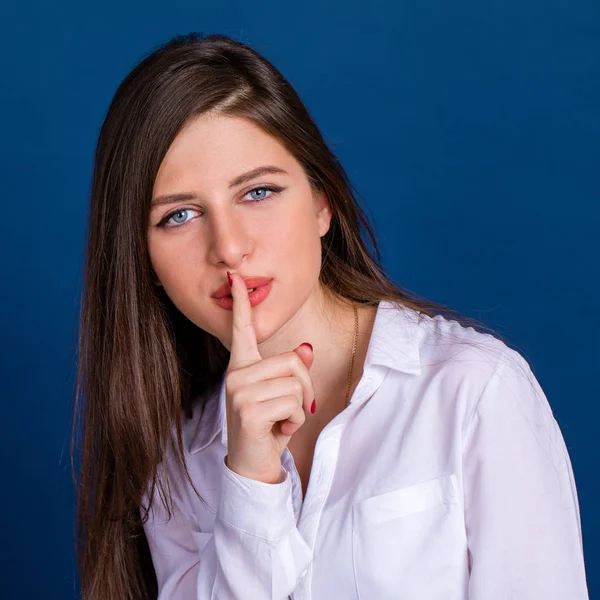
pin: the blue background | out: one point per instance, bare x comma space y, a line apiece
471, 129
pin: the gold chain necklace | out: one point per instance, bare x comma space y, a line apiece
353, 353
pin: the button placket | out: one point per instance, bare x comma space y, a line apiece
323, 470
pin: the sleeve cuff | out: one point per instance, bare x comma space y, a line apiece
261, 509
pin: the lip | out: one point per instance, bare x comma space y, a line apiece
255, 297
251, 282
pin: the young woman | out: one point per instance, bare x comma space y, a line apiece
263, 413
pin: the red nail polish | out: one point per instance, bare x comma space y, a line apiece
313, 406
229, 278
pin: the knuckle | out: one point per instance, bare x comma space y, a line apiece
238, 399
246, 415
298, 387
231, 380
301, 417
296, 360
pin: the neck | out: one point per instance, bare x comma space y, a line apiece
327, 324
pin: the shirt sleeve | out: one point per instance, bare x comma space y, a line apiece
255, 550
521, 507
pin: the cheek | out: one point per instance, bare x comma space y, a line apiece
293, 232
173, 260
159, 260
295, 251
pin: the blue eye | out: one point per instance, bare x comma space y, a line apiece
173, 215
263, 188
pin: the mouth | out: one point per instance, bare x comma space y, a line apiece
250, 290
256, 295
252, 284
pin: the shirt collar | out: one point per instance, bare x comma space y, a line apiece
394, 344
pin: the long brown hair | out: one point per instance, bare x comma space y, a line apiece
141, 362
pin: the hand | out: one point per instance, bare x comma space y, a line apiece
265, 398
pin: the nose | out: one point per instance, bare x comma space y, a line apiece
229, 240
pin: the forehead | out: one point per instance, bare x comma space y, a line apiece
212, 149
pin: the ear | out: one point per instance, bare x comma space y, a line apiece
323, 212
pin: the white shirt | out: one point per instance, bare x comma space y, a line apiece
446, 478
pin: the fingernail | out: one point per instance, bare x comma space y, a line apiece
307, 344
229, 278
313, 406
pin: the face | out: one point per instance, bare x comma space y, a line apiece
269, 225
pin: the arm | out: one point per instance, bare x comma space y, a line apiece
254, 552
521, 508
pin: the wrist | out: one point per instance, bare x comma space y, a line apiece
271, 477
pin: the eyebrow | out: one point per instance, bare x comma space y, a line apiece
239, 180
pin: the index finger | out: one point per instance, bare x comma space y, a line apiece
244, 347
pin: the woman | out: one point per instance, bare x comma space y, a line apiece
266, 414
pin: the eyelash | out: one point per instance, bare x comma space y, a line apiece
270, 188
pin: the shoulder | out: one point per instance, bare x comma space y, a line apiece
490, 379
473, 366
444, 343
